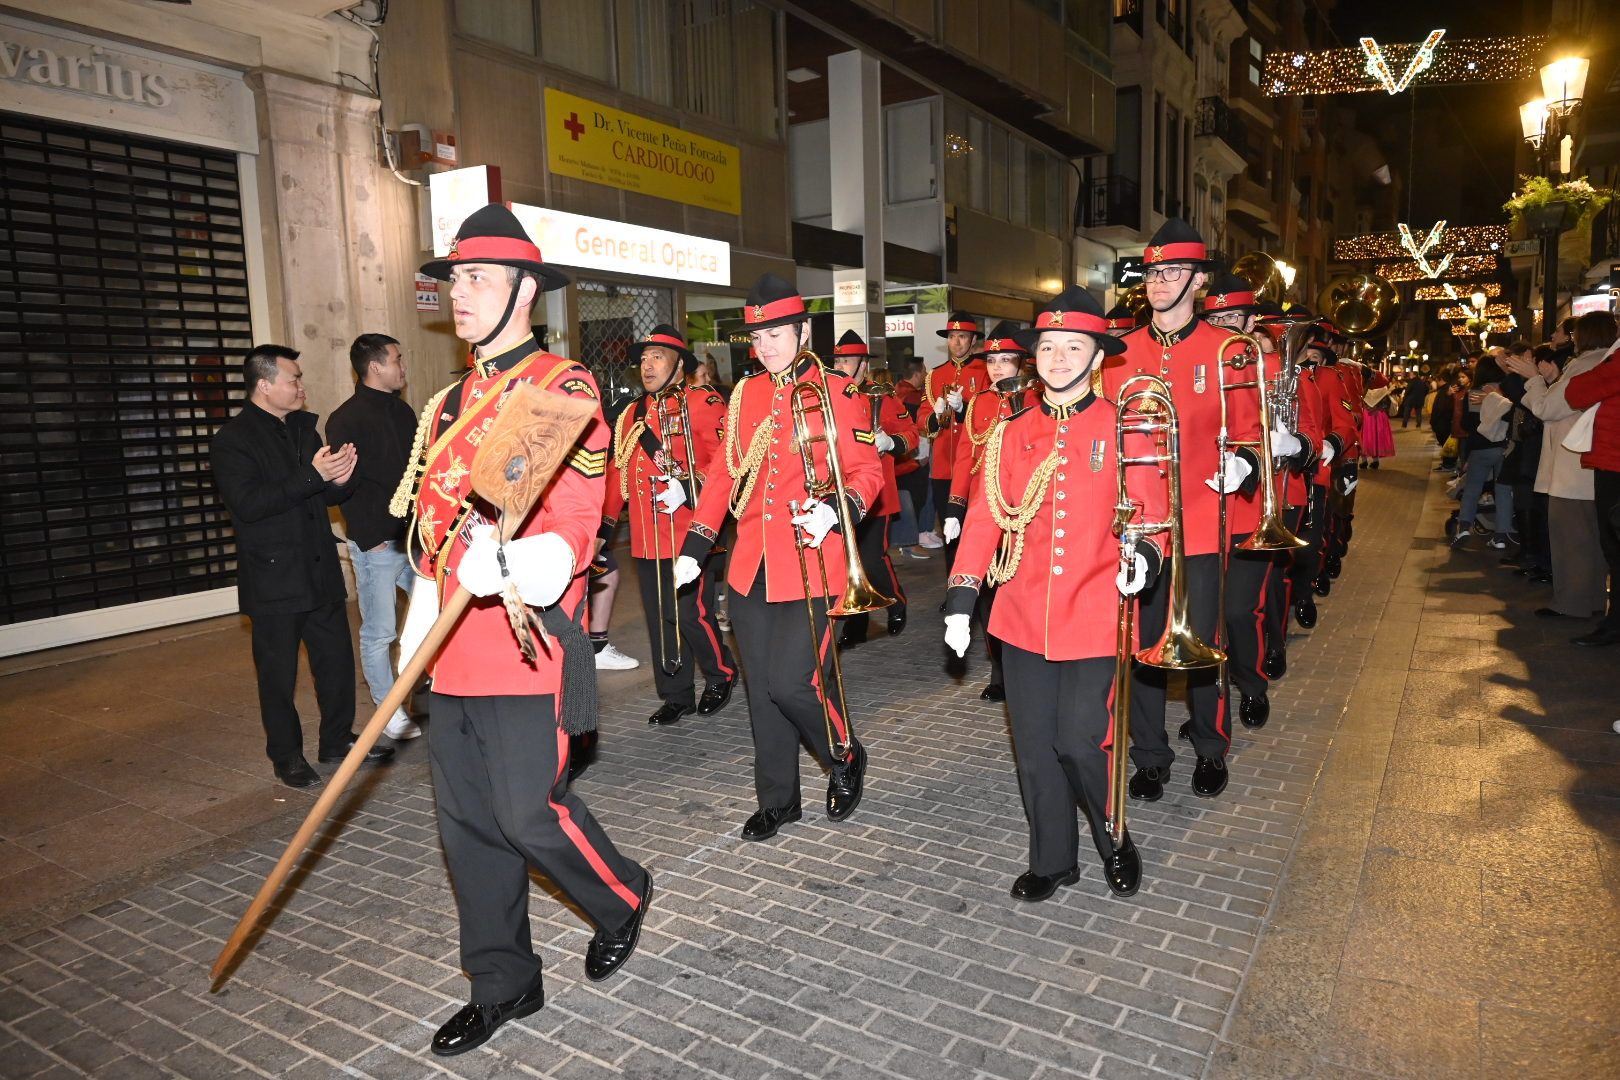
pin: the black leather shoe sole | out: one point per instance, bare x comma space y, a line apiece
451, 1040
1032, 888
765, 823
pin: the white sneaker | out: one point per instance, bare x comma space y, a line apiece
611, 659
723, 621
402, 727
1617, 727
929, 540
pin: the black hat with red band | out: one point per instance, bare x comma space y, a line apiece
1177, 242
493, 234
1119, 317
961, 320
1074, 310
665, 336
1001, 340
851, 344
773, 302
1227, 293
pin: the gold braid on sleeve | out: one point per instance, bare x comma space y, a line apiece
978, 441
746, 467
1012, 518
405, 494
625, 449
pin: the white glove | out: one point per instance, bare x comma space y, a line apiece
1129, 584
939, 406
1350, 483
1285, 443
884, 442
671, 498
420, 612
686, 571
816, 518
541, 566
958, 634
953, 529
954, 400
1328, 453
1235, 470
924, 449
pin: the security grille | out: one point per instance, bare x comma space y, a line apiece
123, 313
610, 318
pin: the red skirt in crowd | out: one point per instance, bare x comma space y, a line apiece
1377, 440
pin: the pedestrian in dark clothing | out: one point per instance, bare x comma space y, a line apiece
277, 479
1412, 399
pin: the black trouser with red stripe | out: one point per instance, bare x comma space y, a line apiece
1060, 712
1279, 587
872, 542
1245, 617
500, 778
784, 693
703, 647
1211, 729
1308, 559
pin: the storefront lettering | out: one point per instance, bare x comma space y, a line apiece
91, 73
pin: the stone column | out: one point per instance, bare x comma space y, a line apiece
855, 155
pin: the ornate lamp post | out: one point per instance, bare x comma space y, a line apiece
1545, 123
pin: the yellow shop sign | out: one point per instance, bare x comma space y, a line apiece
590, 141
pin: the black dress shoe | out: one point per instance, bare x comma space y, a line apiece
1275, 665
849, 639
897, 622
581, 753
1603, 635
1254, 711
607, 952
297, 773
1209, 776
1033, 888
715, 696
1335, 566
955, 666
1147, 785
845, 784
993, 692
1322, 585
377, 755
1184, 732
669, 712
1550, 613
1305, 612
1123, 869
765, 821
474, 1024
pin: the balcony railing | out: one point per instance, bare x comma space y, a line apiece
1215, 117
1112, 200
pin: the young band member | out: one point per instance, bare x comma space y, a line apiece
1320, 364
498, 741
792, 695
946, 392
1004, 362
1185, 351
655, 468
1040, 527
895, 435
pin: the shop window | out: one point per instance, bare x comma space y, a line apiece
908, 158
123, 321
611, 316
705, 33
646, 62
754, 52
507, 23
578, 35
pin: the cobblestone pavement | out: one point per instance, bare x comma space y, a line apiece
887, 946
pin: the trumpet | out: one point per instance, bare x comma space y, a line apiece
1146, 408
1271, 534
859, 595
671, 465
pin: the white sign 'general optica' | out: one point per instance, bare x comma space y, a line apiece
599, 244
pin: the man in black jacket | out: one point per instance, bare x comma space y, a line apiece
277, 480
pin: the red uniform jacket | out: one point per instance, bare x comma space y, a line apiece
983, 412
632, 468
889, 417
766, 537
970, 378
1601, 384
1310, 429
1188, 365
1339, 405
1354, 377
1061, 599
481, 657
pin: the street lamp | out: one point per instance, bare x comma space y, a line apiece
1544, 123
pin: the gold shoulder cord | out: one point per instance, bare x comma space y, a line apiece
625, 448
1012, 518
978, 441
746, 467
405, 494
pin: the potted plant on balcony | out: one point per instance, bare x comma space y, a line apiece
1542, 206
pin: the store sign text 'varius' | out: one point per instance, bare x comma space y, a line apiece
91, 72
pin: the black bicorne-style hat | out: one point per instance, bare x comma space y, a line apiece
668, 337
1075, 310
493, 234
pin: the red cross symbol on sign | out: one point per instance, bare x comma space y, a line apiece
575, 128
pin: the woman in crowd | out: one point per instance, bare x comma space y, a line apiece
1601, 387
1377, 436
1482, 431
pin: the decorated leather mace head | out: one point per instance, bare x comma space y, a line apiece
532, 436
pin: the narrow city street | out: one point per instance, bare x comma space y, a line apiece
1414, 871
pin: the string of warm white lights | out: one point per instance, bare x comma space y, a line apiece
1418, 253
1450, 291
1387, 245
1461, 266
1463, 311
1455, 60
1378, 67
1498, 326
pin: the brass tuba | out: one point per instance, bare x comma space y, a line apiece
1260, 271
1361, 305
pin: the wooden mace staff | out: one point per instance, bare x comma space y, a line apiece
532, 435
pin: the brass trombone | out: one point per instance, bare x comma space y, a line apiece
1146, 408
1271, 534
859, 595
671, 466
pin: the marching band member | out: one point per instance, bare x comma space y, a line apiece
788, 671
1040, 525
1320, 379
895, 435
1004, 363
655, 464
946, 391
1179, 347
1120, 320
499, 738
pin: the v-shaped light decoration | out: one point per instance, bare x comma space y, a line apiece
1420, 254
1378, 67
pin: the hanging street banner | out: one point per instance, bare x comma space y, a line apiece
587, 140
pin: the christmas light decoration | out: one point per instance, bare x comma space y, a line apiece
1492, 311
1461, 266
1498, 326
1387, 245
1448, 291
1353, 69
1429, 241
